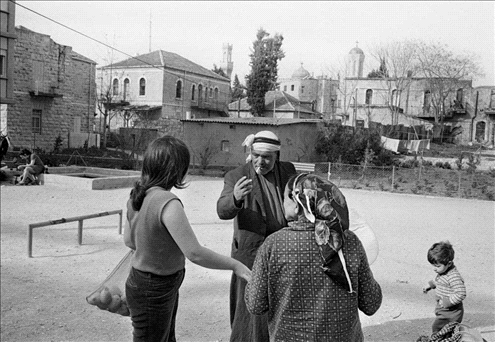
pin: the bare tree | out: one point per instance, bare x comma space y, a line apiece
109, 101
206, 151
445, 73
346, 89
398, 65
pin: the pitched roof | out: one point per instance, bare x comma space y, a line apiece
280, 100
254, 121
80, 57
169, 60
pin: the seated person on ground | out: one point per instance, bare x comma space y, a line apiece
33, 168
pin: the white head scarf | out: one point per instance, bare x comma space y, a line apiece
264, 141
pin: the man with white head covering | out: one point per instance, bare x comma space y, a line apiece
253, 197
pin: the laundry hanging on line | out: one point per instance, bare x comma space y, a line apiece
396, 145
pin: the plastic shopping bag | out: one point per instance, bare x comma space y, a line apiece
110, 294
364, 232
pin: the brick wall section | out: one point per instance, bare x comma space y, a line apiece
58, 70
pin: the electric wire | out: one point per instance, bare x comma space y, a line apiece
115, 49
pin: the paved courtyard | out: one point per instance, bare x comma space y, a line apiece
43, 297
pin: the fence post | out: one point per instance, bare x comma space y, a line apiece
393, 176
459, 187
329, 171
120, 223
79, 232
30, 241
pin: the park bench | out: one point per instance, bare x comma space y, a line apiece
304, 167
308, 168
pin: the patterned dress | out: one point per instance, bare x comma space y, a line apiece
302, 302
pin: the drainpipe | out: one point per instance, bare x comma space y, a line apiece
89, 100
474, 117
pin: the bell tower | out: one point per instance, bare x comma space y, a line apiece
356, 59
226, 64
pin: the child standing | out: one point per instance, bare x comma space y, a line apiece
448, 284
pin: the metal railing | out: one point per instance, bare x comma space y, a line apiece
80, 219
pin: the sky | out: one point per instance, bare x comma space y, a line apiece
318, 34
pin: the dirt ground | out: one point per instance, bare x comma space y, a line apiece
43, 297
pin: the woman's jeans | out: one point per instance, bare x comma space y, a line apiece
153, 300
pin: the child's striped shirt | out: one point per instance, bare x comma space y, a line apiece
451, 285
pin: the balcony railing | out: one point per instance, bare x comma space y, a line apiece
52, 93
222, 107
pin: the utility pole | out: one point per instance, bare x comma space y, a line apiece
150, 34
355, 109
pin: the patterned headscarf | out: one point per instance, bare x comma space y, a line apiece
324, 205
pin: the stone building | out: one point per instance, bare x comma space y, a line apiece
319, 93
158, 89
226, 64
362, 100
7, 41
54, 94
479, 125
278, 105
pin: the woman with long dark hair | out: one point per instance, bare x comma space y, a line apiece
161, 237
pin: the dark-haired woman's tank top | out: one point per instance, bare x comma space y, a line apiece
155, 249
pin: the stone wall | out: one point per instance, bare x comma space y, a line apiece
225, 140
55, 82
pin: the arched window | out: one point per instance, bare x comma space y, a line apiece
193, 90
427, 100
216, 94
142, 87
369, 96
459, 96
126, 89
394, 101
115, 85
178, 89
211, 92
480, 131
200, 93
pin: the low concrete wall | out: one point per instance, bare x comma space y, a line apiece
110, 178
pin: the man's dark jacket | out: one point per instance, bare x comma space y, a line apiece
249, 219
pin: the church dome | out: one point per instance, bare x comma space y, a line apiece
301, 73
356, 51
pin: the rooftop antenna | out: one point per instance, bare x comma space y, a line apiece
150, 34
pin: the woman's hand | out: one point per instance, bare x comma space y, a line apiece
243, 271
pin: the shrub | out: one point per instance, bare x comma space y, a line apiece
58, 144
409, 163
343, 142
